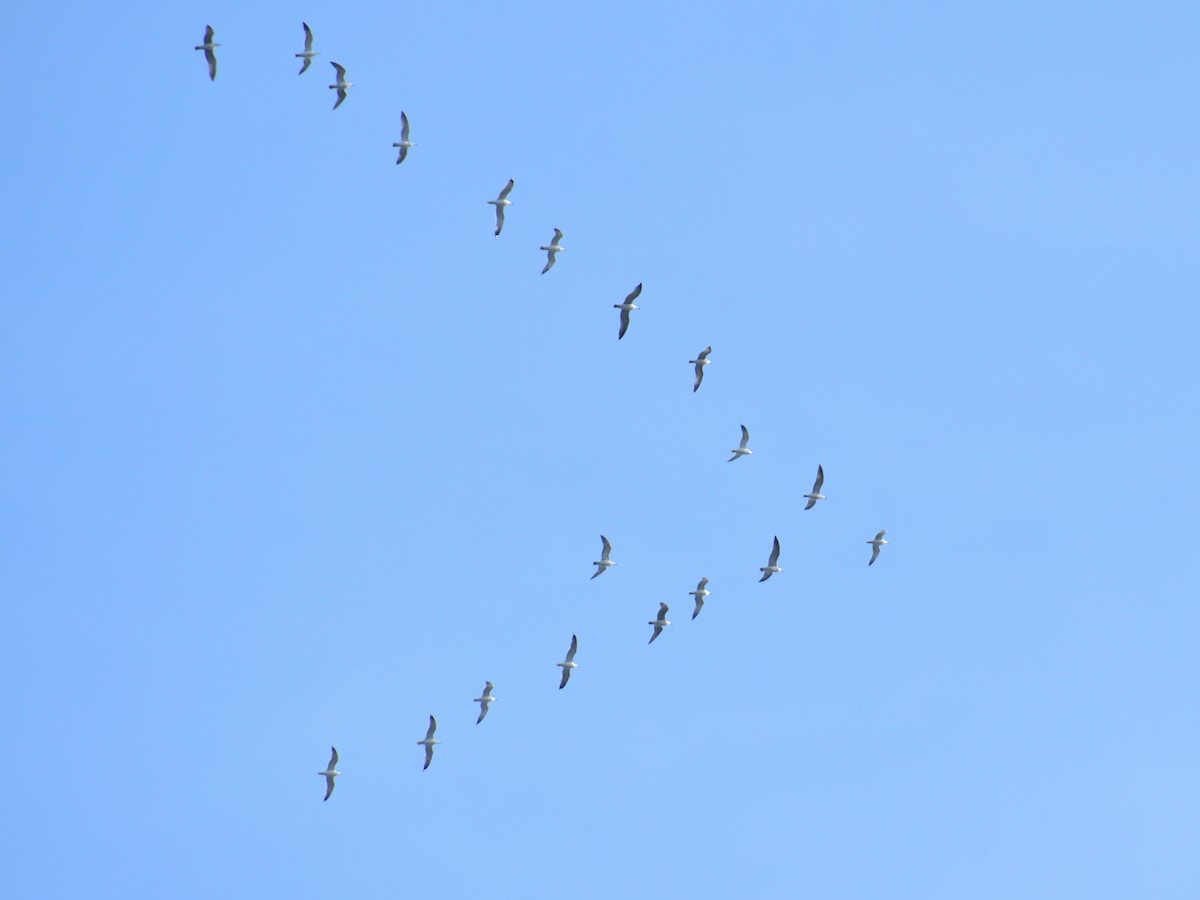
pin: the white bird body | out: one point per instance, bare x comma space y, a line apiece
569, 663
700, 593
876, 543
208, 47
309, 52
743, 449
772, 562
342, 84
330, 773
660, 622
484, 701
501, 202
604, 562
429, 741
553, 250
700, 362
816, 491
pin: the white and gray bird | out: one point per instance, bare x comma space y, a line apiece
876, 543
569, 663
404, 143
330, 773
309, 52
700, 593
484, 701
771, 567
342, 84
816, 491
553, 250
626, 308
209, 47
700, 362
660, 622
604, 562
501, 202
429, 742
743, 449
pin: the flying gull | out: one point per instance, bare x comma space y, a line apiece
309, 52
330, 773
484, 701
569, 663
876, 544
743, 448
342, 84
700, 362
816, 491
700, 593
771, 567
429, 742
208, 47
660, 622
404, 143
604, 561
552, 251
626, 308
501, 202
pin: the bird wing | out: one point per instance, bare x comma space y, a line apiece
211, 56
432, 728
699, 606
308, 38
550, 254
499, 218
820, 480
483, 711
657, 631
403, 126
333, 760
702, 585
605, 548
328, 786
704, 353
341, 71
774, 553
402, 156
566, 676
341, 96
208, 34
662, 610
745, 438
699, 377
558, 236
874, 554
812, 501
574, 647
634, 294
304, 66
766, 575
624, 324
881, 534
487, 689
507, 188
428, 755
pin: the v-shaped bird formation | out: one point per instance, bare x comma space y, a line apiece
501, 203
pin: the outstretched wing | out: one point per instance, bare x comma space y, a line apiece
574, 647
699, 377
304, 65
634, 294
333, 760
403, 126
657, 631
699, 605
702, 585
774, 553
874, 554
704, 353
499, 218
566, 676
432, 728
624, 324
820, 480
341, 96
428, 755
341, 71
208, 34
507, 188
308, 38
605, 547
662, 610
402, 156
328, 786
745, 438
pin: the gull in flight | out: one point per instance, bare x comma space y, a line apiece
660, 622
743, 448
604, 561
553, 250
429, 742
342, 84
569, 663
816, 491
330, 773
404, 143
700, 362
309, 52
876, 543
484, 701
700, 593
772, 563
501, 202
626, 308
208, 47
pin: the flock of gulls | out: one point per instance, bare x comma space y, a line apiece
627, 306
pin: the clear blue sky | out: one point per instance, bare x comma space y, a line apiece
296, 452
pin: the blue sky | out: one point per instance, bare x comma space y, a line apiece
298, 453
